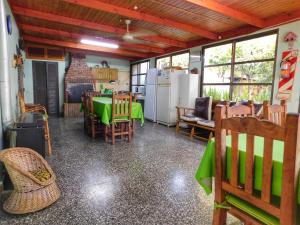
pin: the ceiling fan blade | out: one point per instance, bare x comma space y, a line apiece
143, 32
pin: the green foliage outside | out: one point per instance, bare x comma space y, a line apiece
255, 72
216, 94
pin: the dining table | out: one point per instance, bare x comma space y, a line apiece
103, 109
206, 170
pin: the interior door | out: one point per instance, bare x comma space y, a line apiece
45, 85
39, 82
52, 88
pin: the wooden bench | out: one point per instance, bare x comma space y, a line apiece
209, 125
193, 124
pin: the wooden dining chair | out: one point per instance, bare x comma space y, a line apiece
93, 122
121, 118
238, 197
275, 113
239, 110
134, 99
37, 108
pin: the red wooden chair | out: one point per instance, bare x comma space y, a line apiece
275, 113
244, 194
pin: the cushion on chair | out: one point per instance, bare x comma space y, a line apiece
41, 174
189, 118
203, 106
252, 210
208, 123
258, 109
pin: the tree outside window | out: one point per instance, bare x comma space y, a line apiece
240, 70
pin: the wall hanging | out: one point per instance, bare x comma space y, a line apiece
287, 68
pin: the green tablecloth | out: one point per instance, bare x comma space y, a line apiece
206, 168
102, 108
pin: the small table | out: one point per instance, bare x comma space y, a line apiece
102, 108
206, 168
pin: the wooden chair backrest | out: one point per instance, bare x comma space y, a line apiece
239, 110
252, 127
121, 106
93, 93
89, 104
275, 113
21, 102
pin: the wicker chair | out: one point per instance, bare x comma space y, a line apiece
30, 194
37, 108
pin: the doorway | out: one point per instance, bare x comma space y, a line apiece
45, 85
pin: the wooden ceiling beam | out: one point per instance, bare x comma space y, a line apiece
60, 33
102, 6
88, 52
230, 12
161, 39
282, 19
87, 24
74, 45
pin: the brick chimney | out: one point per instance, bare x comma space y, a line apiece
78, 71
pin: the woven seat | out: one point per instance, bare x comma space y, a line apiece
30, 193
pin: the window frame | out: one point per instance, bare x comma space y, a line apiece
174, 54
138, 73
233, 63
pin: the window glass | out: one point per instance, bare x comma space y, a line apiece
217, 74
257, 93
142, 79
181, 60
261, 72
144, 67
138, 77
218, 92
256, 49
134, 89
163, 62
247, 77
134, 69
134, 80
218, 55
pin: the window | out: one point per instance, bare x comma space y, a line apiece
163, 62
239, 70
138, 77
181, 60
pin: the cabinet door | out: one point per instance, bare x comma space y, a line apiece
113, 74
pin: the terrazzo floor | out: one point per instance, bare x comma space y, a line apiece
149, 181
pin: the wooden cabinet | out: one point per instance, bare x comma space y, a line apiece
105, 74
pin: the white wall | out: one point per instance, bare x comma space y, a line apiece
28, 81
122, 65
13, 73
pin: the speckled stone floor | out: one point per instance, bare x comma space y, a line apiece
149, 181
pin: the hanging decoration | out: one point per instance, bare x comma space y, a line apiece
287, 68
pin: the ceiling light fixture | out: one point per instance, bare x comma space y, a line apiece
99, 43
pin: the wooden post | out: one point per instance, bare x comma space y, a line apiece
290, 172
220, 214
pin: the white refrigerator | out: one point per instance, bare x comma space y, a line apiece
150, 97
188, 90
168, 96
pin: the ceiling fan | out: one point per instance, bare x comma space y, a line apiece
131, 36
